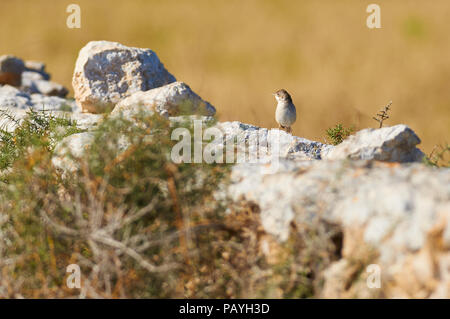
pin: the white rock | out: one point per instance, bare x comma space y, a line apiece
393, 144
38, 68
106, 72
70, 149
43, 102
169, 100
182, 119
398, 210
84, 121
13, 98
352, 193
34, 83
261, 142
10, 97
29, 76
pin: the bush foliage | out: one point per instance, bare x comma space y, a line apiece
339, 133
138, 225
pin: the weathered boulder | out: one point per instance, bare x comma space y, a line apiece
51, 88
169, 100
55, 103
84, 121
10, 117
251, 144
263, 143
394, 215
37, 67
392, 144
30, 77
106, 72
34, 82
13, 98
11, 69
70, 149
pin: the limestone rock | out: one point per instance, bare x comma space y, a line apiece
69, 149
11, 97
37, 67
392, 144
29, 76
72, 148
394, 215
49, 88
11, 69
263, 143
84, 121
43, 102
182, 119
34, 82
169, 100
106, 72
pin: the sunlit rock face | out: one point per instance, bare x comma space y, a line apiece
106, 72
168, 100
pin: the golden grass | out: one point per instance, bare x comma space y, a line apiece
236, 53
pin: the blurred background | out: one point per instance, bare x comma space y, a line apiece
235, 54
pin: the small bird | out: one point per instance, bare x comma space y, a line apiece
285, 115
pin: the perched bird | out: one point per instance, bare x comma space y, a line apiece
285, 115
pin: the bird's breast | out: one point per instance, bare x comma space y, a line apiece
285, 114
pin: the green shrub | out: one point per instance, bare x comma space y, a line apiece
39, 129
124, 211
338, 133
439, 157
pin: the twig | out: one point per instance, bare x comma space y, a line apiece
102, 238
383, 114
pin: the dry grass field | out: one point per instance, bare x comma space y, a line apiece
237, 53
